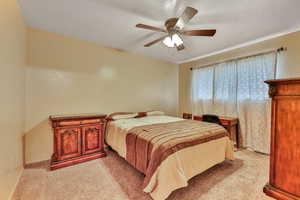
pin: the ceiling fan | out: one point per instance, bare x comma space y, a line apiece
174, 29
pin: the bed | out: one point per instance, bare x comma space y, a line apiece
168, 150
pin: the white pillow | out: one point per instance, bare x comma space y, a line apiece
155, 113
124, 116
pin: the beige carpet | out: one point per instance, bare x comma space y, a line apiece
111, 178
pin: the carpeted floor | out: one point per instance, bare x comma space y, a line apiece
111, 178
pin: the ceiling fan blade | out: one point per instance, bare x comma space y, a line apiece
211, 32
155, 41
180, 47
186, 16
152, 28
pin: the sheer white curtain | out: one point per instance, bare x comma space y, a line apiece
225, 81
202, 90
237, 89
254, 110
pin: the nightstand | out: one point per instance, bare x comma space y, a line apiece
77, 139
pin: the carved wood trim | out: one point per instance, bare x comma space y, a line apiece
272, 91
278, 194
86, 140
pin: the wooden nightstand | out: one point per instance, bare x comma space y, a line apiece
187, 116
77, 138
231, 125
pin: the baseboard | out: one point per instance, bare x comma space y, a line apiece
266, 154
38, 164
26, 166
16, 184
24, 150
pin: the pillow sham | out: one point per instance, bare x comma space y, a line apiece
141, 114
155, 113
121, 115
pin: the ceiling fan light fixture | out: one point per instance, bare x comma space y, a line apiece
177, 40
168, 42
172, 41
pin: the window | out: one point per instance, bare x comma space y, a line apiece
237, 89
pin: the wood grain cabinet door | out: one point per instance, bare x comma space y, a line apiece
68, 143
92, 139
286, 144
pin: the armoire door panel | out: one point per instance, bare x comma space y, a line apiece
286, 164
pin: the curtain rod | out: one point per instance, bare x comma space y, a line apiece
243, 57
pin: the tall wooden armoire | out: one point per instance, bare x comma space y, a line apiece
284, 181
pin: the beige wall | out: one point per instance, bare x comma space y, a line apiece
288, 66
12, 62
66, 75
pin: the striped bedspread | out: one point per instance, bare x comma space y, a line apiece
148, 146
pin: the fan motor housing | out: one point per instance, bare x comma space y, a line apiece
170, 23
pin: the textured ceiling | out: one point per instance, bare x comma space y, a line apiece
112, 22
